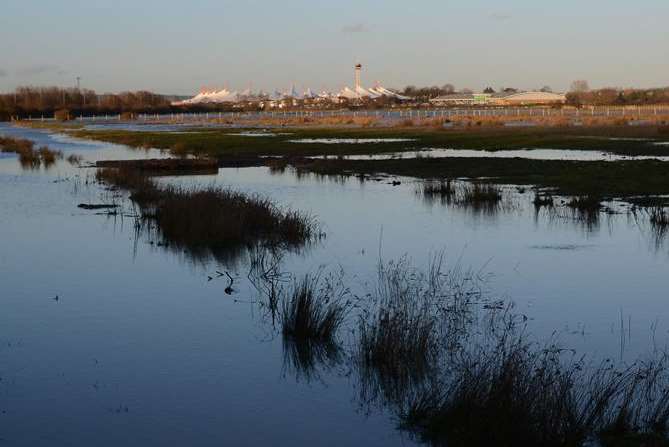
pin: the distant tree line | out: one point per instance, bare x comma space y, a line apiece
38, 101
426, 93
616, 96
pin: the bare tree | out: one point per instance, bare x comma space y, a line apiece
580, 86
448, 89
546, 89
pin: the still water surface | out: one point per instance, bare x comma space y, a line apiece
141, 349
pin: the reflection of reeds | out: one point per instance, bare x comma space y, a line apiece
306, 358
74, 159
586, 209
545, 200
586, 203
659, 219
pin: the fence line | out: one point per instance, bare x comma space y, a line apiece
391, 114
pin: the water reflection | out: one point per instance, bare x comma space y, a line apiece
211, 362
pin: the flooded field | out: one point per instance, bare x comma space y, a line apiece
529, 154
111, 335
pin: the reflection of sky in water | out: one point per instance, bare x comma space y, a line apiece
532, 154
139, 328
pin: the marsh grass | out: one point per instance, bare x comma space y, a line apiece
458, 369
410, 317
444, 190
29, 157
477, 197
212, 221
312, 311
481, 195
501, 387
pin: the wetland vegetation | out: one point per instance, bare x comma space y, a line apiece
458, 367
626, 179
223, 143
29, 157
212, 221
451, 362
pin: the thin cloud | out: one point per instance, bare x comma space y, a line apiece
355, 28
38, 69
499, 16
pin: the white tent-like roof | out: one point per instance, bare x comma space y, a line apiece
226, 96
293, 93
364, 93
348, 94
309, 94
382, 91
212, 96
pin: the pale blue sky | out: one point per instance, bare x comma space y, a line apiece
176, 46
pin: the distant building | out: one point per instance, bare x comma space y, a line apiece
499, 99
462, 99
528, 98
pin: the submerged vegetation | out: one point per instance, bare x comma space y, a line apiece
211, 221
29, 157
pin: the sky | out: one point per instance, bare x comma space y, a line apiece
177, 46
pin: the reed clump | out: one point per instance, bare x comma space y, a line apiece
210, 221
517, 393
484, 194
458, 376
410, 319
312, 312
443, 189
29, 157
478, 197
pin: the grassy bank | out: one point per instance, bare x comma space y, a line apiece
228, 143
624, 179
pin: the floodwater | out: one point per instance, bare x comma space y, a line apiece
350, 140
530, 154
140, 348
